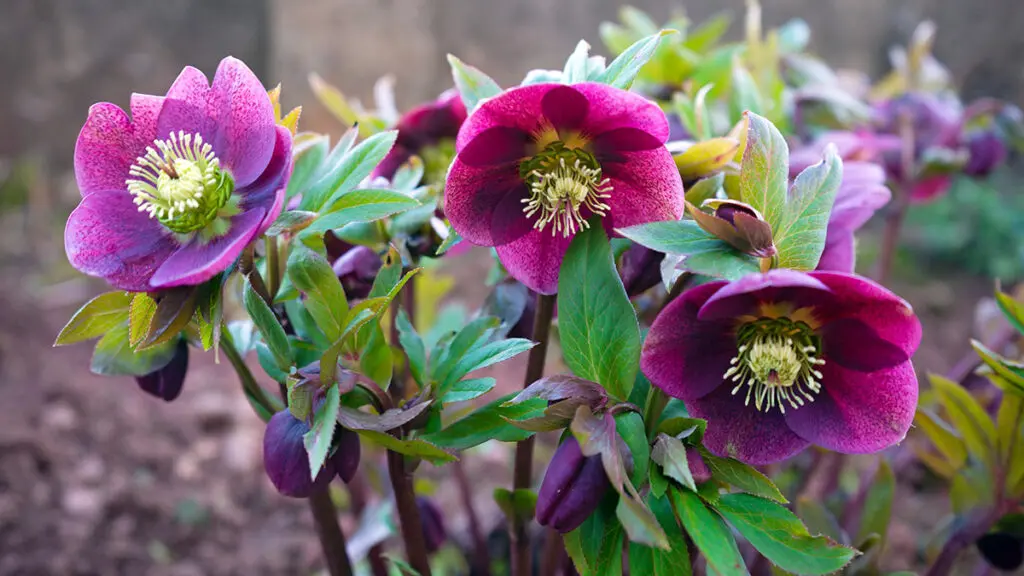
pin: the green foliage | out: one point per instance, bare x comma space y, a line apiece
702, 252
97, 317
341, 173
318, 440
598, 327
474, 86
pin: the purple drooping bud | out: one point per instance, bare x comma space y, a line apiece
572, 489
166, 382
434, 533
640, 269
987, 151
345, 459
356, 269
285, 458
698, 468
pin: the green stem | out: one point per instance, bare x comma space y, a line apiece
523, 471
273, 266
656, 402
253, 390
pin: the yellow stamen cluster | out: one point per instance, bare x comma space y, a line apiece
777, 362
563, 183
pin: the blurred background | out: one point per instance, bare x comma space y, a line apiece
96, 478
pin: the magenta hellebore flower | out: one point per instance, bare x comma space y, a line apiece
535, 162
427, 131
172, 195
778, 361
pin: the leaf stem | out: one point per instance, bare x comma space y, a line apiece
968, 532
332, 539
248, 269
273, 266
553, 553
523, 471
252, 389
408, 513
481, 555
656, 402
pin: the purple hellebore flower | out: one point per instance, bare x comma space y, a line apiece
434, 532
166, 382
172, 195
778, 361
986, 152
347, 452
427, 131
573, 487
640, 269
535, 162
861, 193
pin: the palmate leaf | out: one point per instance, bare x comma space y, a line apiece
96, 318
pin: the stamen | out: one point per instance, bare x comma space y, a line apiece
180, 182
563, 184
776, 362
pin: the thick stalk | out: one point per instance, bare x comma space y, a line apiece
252, 389
523, 471
900, 201
964, 537
332, 539
551, 559
408, 514
273, 266
357, 492
481, 556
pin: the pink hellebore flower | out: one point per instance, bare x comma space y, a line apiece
172, 195
427, 131
534, 163
778, 361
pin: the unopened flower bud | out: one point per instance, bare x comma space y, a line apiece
738, 224
434, 533
573, 487
166, 382
1001, 550
285, 458
640, 269
986, 152
356, 269
345, 458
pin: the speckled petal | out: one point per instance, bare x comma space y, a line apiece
743, 432
858, 412
860, 195
887, 315
516, 108
108, 145
535, 259
268, 190
743, 296
484, 205
646, 188
611, 108
496, 146
839, 254
107, 236
684, 356
197, 262
565, 108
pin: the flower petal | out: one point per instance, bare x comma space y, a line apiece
744, 432
484, 204
861, 193
267, 191
107, 236
839, 253
197, 262
647, 188
496, 146
516, 108
535, 259
858, 412
186, 106
930, 188
780, 285
684, 356
245, 135
565, 108
108, 145
890, 317
612, 108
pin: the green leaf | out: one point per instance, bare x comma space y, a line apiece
705, 188
376, 360
291, 222
819, 519
640, 524
1012, 310
623, 70
175, 307
703, 253
307, 161
474, 86
312, 274
520, 503
575, 70
592, 545
1010, 373
739, 475
670, 454
444, 357
484, 356
1011, 438
450, 240
800, 235
413, 346
764, 172
709, 533
598, 327
408, 175
361, 206
113, 355
778, 534
968, 416
645, 561
468, 389
947, 441
745, 95
140, 315
878, 505
97, 317
489, 422
318, 440
354, 166
630, 427
271, 330
410, 447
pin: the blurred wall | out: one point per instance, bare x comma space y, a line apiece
59, 56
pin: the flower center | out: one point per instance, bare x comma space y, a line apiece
436, 160
180, 182
777, 361
563, 182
